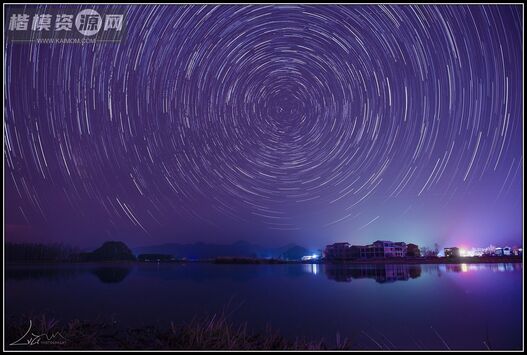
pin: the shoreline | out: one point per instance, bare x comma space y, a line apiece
439, 260
256, 261
213, 332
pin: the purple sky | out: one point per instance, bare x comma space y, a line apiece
272, 124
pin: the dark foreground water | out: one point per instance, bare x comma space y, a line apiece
464, 306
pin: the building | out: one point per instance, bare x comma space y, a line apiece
507, 251
498, 252
452, 252
517, 251
477, 252
377, 250
389, 249
338, 251
370, 251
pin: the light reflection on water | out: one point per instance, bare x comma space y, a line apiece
311, 268
410, 305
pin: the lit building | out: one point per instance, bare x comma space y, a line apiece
452, 252
393, 249
377, 250
309, 257
477, 252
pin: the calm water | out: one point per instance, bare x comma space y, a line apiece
388, 306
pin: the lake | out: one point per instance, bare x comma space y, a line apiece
459, 306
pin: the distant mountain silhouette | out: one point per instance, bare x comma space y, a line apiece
202, 250
110, 251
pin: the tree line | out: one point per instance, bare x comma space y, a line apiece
28, 252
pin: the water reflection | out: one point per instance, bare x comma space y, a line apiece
381, 273
397, 315
497, 267
385, 273
40, 272
105, 274
111, 274
311, 268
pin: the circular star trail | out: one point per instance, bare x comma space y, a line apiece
277, 116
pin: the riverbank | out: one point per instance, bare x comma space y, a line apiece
434, 260
208, 333
256, 261
437, 260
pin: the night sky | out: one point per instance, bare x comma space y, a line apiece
271, 124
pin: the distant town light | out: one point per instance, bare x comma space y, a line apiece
310, 257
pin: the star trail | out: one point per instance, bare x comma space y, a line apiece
326, 122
